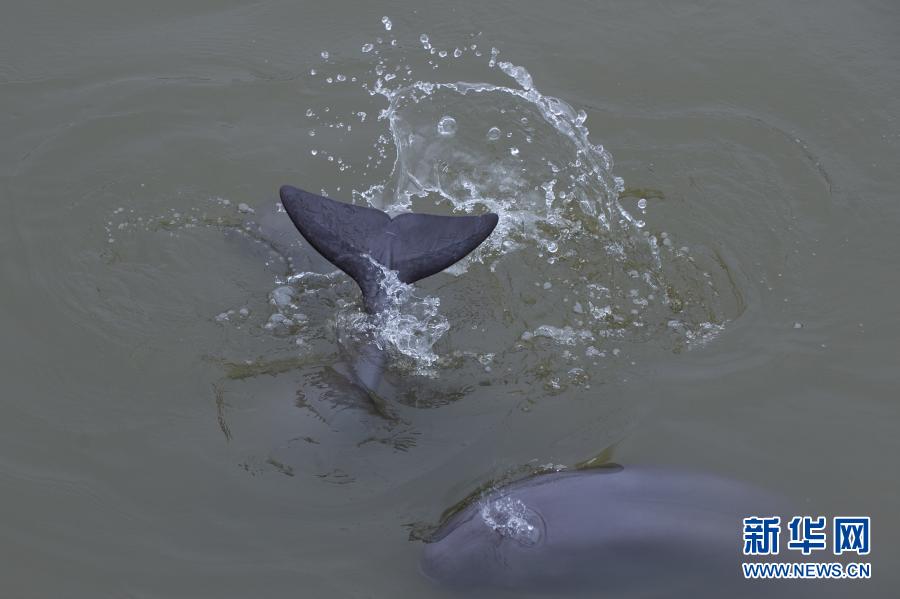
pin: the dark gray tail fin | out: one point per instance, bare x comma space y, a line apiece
414, 245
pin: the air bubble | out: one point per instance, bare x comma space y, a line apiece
494, 54
387, 23
367, 48
447, 126
493, 134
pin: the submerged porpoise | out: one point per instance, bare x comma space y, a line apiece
361, 241
606, 532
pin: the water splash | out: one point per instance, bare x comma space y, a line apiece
512, 519
409, 324
530, 158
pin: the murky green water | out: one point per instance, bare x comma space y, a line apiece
176, 415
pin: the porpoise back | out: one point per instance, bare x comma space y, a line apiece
608, 532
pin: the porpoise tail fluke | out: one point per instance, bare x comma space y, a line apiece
352, 237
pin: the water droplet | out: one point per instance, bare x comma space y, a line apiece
312, 72
324, 55
313, 152
387, 23
423, 38
341, 77
312, 132
457, 53
442, 54
642, 203
367, 48
514, 151
447, 126
493, 134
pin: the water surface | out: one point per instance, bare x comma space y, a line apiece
695, 266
